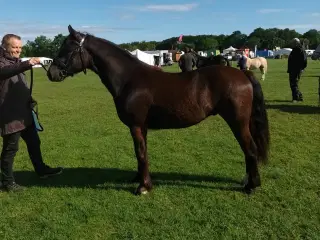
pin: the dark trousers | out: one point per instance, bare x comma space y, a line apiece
294, 78
10, 148
242, 64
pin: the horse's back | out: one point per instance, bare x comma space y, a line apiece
263, 61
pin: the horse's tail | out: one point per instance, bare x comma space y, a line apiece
259, 124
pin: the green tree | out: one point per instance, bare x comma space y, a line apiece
236, 39
206, 43
41, 47
313, 37
55, 44
287, 35
27, 50
253, 41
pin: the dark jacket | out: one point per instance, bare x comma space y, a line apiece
297, 60
15, 110
242, 63
187, 62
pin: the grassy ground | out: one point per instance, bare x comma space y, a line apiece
194, 171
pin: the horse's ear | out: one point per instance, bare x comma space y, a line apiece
71, 30
74, 33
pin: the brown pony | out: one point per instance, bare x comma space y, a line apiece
149, 99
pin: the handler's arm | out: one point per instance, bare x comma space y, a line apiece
8, 71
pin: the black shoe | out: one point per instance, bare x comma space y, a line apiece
48, 172
12, 187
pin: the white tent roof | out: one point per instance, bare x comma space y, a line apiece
230, 49
144, 57
286, 51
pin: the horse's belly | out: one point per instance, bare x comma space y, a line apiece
159, 118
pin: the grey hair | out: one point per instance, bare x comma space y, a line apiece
7, 37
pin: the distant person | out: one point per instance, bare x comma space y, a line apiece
242, 62
297, 62
15, 114
187, 61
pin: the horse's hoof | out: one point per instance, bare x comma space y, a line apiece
145, 192
142, 191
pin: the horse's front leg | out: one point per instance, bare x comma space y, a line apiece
139, 135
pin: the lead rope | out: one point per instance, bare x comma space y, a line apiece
35, 113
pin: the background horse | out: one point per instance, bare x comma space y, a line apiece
254, 63
149, 99
201, 61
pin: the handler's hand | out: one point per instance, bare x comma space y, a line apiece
34, 61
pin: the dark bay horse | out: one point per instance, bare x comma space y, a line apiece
202, 61
146, 98
199, 61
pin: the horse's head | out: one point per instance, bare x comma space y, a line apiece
72, 57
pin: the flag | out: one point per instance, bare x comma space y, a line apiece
180, 38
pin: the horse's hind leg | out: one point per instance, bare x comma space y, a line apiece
139, 135
263, 73
243, 135
239, 124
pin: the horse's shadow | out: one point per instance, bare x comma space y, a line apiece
112, 178
311, 76
277, 101
290, 108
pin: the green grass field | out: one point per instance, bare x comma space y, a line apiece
194, 171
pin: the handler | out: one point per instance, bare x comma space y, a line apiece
15, 114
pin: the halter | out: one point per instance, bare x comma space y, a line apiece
64, 66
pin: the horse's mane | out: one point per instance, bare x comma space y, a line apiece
124, 52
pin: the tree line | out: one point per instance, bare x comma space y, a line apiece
262, 38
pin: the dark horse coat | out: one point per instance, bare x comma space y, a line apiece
149, 99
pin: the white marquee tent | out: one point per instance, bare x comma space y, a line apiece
144, 57
283, 51
160, 53
229, 49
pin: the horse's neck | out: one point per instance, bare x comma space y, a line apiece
112, 64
